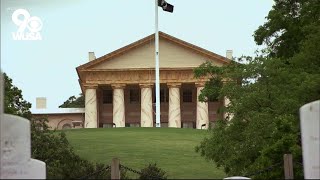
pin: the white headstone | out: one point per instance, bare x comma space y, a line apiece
1, 93
309, 125
237, 177
15, 157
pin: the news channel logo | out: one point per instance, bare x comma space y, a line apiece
29, 27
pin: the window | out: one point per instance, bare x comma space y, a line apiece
134, 96
164, 95
107, 96
167, 95
187, 95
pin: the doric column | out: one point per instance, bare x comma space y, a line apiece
146, 105
226, 103
119, 117
202, 110
174, 105
91, 116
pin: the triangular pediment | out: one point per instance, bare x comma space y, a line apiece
174, 53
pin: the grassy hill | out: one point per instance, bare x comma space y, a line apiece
172, 149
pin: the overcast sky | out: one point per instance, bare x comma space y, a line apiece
72, 28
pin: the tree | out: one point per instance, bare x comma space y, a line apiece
13, 100
48, 146
287, 26
266, 93
74, 102
61, 161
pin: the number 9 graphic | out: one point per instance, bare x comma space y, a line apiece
34, 24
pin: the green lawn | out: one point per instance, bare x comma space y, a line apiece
172, 149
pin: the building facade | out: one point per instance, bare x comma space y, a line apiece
119, 87
61, 118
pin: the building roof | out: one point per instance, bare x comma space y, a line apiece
58, 111
147, 39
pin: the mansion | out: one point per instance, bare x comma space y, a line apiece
119, 87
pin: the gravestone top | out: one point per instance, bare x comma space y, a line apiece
237, 177
310, 125
15, 150
15, 147
15, 140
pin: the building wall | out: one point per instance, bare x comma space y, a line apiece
60, 121
171, 56
188, 109
105, 111
132, 110
213, 108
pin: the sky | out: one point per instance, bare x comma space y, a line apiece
72, 28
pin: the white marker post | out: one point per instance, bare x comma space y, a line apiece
309, 125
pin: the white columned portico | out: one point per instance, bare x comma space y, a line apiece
174, 118
119, 118
91, 118
202, 110
146, 105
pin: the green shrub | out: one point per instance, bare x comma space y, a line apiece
152, 172
61, 161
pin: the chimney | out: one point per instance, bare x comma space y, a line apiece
41, 103
229, 54
91, 56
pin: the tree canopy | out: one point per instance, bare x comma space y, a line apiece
288, 24
74, 102
266, 93
13, 99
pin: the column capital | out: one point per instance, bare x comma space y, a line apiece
118, 86
174, 85
90, 86
200, 84
146, 85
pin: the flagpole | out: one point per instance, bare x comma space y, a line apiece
157, 66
